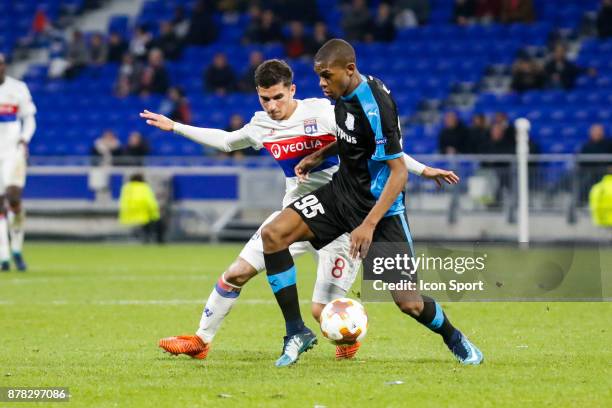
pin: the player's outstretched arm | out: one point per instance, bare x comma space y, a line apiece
432, 173
439, 175
313, 160
215, 138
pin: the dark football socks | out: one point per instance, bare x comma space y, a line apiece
435, 320
281, 277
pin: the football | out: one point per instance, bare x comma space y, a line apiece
344, 321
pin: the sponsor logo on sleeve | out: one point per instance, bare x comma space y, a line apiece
350, 121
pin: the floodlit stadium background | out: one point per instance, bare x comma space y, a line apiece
437, 57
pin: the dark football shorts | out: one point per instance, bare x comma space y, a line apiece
329, 216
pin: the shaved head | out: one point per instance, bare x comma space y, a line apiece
335, 52
337, 69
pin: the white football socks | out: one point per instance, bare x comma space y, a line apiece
16, 222
218, 305
4, 240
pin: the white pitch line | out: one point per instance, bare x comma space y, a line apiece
123, 278
140, 302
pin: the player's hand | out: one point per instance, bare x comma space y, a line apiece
157, 120
303, 168
361, 238
439, 175
23, 145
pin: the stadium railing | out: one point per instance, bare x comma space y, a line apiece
226, 199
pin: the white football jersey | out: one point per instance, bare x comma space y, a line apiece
311, 127
15, 103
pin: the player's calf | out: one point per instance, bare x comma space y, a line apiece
429, 313
16, 220
4, 237
222, 298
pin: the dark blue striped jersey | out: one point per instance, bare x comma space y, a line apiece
368, 135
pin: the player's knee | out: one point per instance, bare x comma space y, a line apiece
273, 238
412, 308
316, 310
14, 204
239, 273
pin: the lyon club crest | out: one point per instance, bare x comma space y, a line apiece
310, 126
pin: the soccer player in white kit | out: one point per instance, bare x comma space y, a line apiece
17, 125
289, 129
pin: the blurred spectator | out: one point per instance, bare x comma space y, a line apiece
410, 13
591, 171
138, 208
497, 142
464, 11
454, 137
41, 31
106, 149
297, 43
98, 49
488, 11
305, 11
383, 28
501, 119
517, 11
116, 47
526, 75
40, 23
232, 6
356, 20
264, 28
236, 123
254, 14
135, 150
604, 19
247, 81
202, 27
219, 77
57, 60
77, 54
139, 44
180, 22
130, 72
154, 77
478, 135
598, 143
167, 41
560, 72
176, 106
319, 37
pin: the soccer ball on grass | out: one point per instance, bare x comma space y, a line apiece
344, 321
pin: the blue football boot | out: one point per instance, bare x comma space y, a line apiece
19, 262
296, 345
466, 352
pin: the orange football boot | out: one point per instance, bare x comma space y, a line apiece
193, 346
346, 351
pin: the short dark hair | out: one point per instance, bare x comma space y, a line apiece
336, 52
137, 177
272, 72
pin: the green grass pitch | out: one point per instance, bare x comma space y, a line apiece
89, 316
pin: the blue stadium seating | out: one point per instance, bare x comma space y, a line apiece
426, 62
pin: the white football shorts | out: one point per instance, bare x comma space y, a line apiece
336, 271
13, 170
